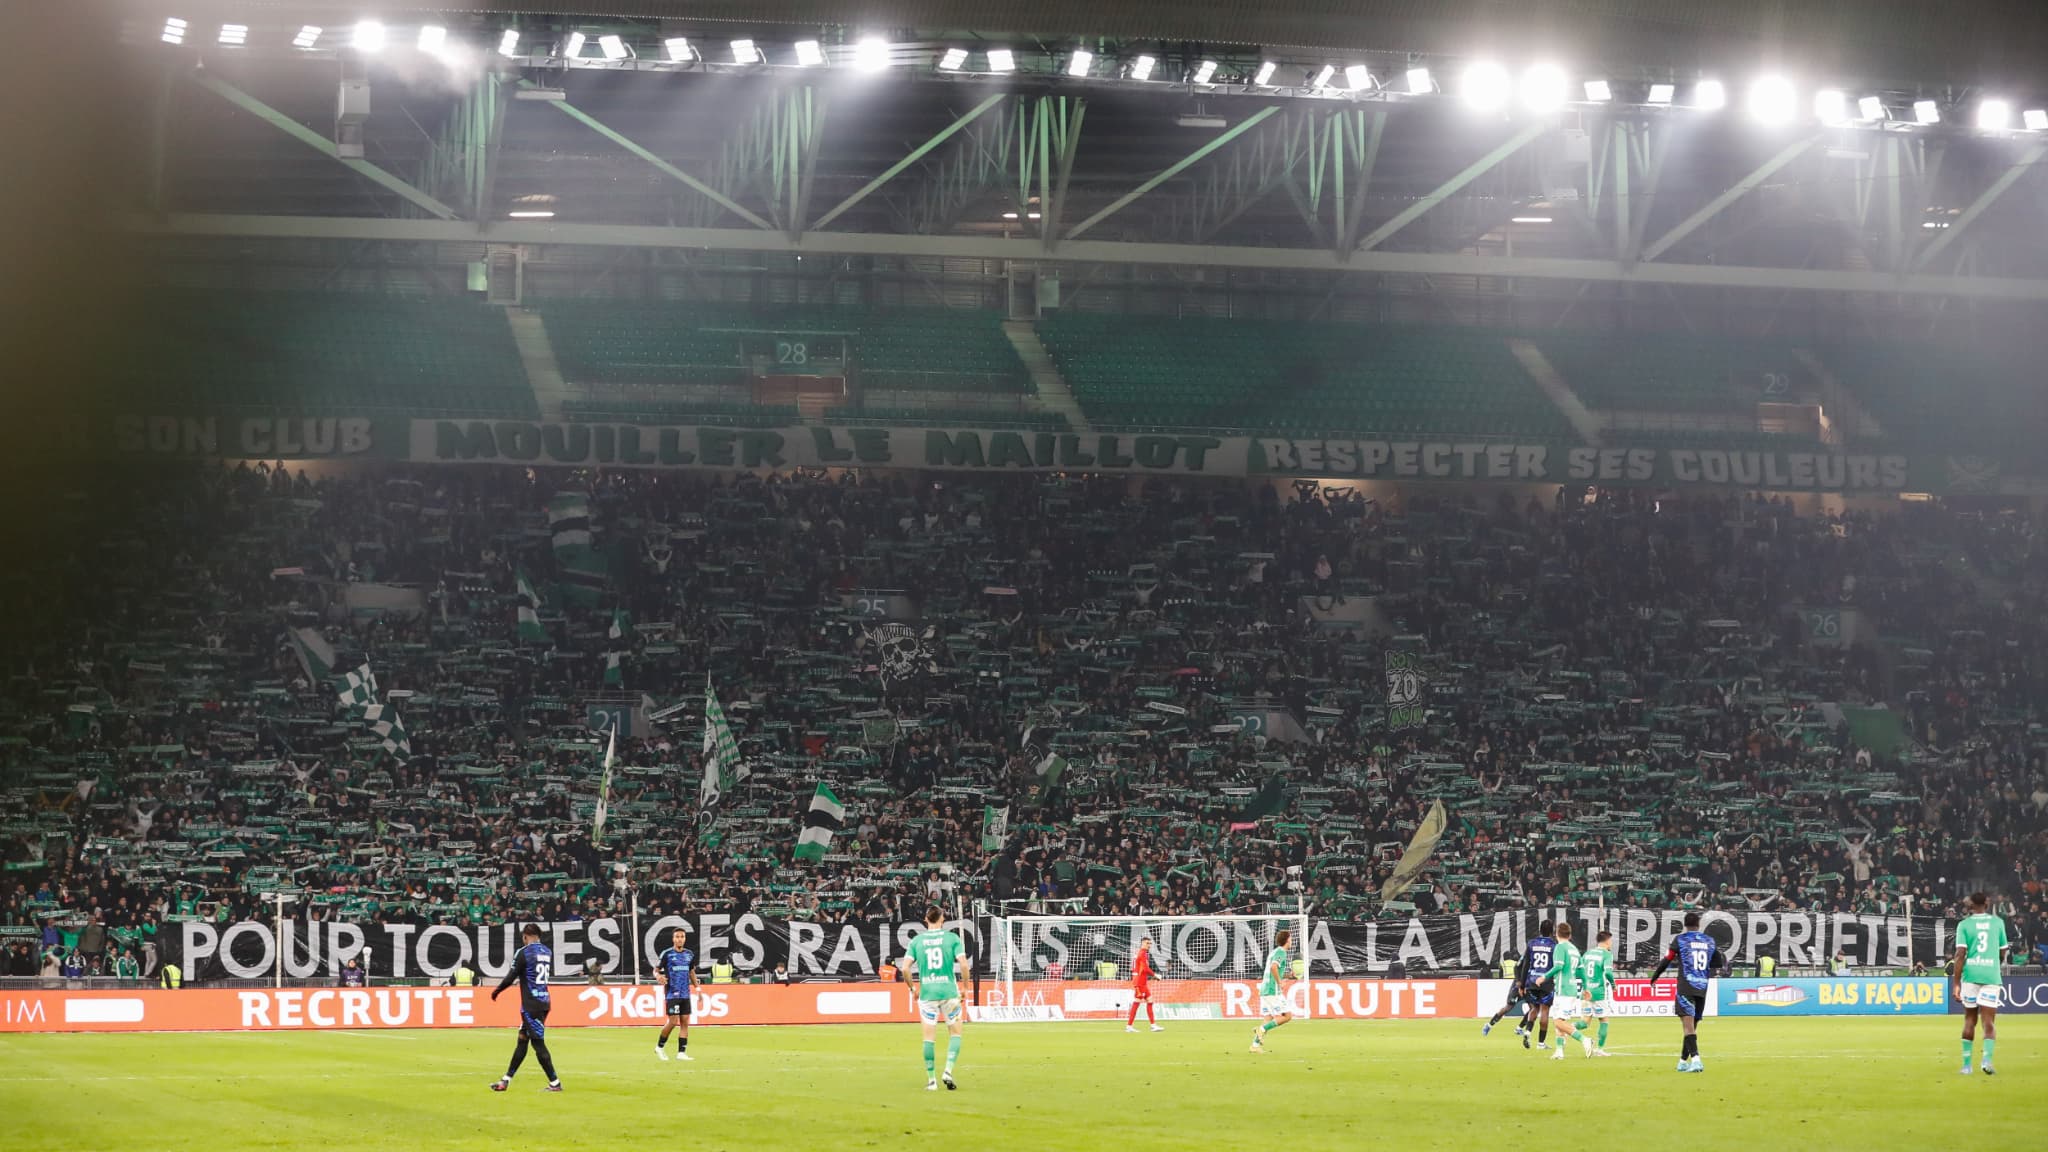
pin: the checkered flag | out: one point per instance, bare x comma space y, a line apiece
359, 688
384, 723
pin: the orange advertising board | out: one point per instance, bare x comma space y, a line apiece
315, 1009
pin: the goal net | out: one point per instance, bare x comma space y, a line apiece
1205, 967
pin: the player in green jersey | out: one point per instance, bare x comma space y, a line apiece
1273, 1007
937, 963
1977, 975
1599, 973
1565, 1009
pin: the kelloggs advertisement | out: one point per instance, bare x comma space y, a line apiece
1833, 996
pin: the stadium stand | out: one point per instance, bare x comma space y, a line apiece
1145, 373
1622, 681
318, 354
654, 342
1663, 371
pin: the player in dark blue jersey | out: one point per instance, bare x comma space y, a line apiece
530, 972
1533, 978
1697, 956
676, 969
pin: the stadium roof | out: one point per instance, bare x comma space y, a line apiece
1277, 161
1969, 42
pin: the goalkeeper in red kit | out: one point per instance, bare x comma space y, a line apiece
1141, 987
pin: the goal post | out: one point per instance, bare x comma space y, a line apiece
1206, 967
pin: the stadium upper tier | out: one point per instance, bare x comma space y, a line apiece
318, 354
1245, 375
649, 342
1664, 371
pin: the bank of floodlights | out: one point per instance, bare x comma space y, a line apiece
1773, 100
871, 54
1485, 86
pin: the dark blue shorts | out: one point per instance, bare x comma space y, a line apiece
1540, 996
676, 1006
534, 1024
1689, 1003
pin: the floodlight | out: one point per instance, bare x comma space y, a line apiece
744, 52
1662, 93
953, 59
432, 38
1141, 68
234, 33
1926, 112
871, 54
1529, 219
613, 47
574, 47
307, 37
174, 31
1773, 100
1009, 215
1204, 70
1994, 115
677, 47
1870, 108
369, 37
2035, 119
1002, 60
1831, 106
809, 53
1485, 86
531, 214
1543, 87
1322, 79
1266, 70
1356, 76
508, 42
1599, 91
1079, 63
1709, 96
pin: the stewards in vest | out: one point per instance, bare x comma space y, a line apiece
721, 973
465, 977
1766, 966
171, 977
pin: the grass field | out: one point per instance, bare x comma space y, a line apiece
1769, 1084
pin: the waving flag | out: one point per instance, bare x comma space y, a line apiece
825, 816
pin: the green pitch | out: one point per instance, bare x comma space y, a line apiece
1769, 1084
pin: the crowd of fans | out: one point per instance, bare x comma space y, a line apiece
1700, 701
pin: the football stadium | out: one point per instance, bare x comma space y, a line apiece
1059, 576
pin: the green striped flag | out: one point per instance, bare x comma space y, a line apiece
529, 611
315, 654
722, 767
995, 827
583, 570
825, 816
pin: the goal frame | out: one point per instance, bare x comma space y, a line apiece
1006, 952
